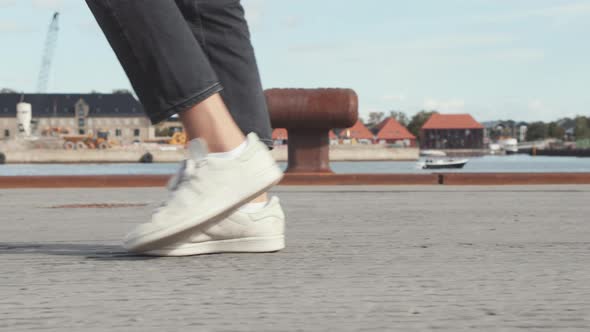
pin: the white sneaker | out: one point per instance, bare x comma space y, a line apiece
260, 231
208, 189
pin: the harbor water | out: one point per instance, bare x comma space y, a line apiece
486, 164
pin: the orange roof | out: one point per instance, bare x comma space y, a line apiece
451, 121
358, 131
280, 133
391, 129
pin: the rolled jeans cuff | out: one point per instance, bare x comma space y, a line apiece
187, 103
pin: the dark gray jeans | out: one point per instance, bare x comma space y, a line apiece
176, 53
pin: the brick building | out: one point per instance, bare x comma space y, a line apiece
120, 114
358, 132
280, 136
452, 131
390, 131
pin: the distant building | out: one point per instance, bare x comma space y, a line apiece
168, 127
498, 130
392, 132
358, 132
119, 114
452, 131
333, 138
522, 129
280, 136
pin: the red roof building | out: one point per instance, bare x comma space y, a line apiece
451, 121
451, 131
358, 131
332, 135
392, 132
280, 134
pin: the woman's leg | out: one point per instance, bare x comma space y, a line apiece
171, 74
167, 67
222, 31
211, 121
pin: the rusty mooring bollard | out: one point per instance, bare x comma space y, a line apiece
308, 115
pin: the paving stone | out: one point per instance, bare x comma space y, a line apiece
358, 259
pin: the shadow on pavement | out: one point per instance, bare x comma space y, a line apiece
88, 251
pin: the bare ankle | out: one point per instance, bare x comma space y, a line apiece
211, 121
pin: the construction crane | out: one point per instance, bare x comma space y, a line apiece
50, 42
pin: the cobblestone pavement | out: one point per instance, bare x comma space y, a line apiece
358, 259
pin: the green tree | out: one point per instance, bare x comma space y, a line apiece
418, 121
121, 91
536, 131
494, 134
375, 118
400, 117
582, 129
554, 130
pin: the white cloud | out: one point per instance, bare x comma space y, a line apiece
460, 40
559, 12
48, 4
537, 109
89, 26
571, 9
544, 110
7, 3
523, 109
255, 11
434, 43
330, 47
395, 98
13, 27
519, 54
293, 22
536, 105
449, 105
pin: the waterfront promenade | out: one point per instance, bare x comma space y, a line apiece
362, 258
174, 154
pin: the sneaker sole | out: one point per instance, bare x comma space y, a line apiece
169, 235
243, 245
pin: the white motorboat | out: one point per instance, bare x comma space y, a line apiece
509, 145
495, 148
444, 163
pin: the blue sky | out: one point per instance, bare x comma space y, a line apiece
520, 59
